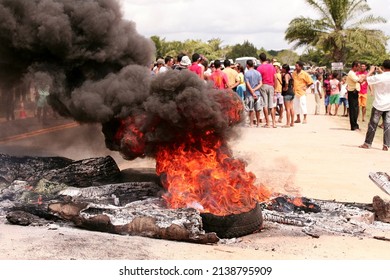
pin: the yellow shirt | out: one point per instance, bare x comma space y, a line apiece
278, 85
352, 81
231, 75
301, 82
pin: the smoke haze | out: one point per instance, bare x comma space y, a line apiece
98, 69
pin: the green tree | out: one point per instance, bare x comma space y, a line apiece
287, 56
340, 31
245, 49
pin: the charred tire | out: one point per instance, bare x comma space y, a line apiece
234, 225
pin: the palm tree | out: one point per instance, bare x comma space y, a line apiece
341, 29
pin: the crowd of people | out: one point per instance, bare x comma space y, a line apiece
267, 90
271, 92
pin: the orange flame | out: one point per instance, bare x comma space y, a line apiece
201, 174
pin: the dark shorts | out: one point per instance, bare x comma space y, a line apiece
288, 97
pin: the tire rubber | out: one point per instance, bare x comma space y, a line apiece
234, 225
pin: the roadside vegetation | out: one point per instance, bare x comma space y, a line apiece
339, 31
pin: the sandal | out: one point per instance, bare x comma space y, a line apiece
385, 148
266, 126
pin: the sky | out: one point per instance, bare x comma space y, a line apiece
260, 22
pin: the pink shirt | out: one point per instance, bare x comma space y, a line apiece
267, 72
195, 68
363, 85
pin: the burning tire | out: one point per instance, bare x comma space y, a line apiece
234, 225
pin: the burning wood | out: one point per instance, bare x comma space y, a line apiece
137, 208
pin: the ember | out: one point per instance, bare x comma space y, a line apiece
284, 203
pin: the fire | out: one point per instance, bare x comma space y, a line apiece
202, 174
195, 164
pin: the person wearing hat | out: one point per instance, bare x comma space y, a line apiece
184, 63
159, 65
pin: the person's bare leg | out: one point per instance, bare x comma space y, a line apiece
258, 118
251, 118
273, 117
288, 113
363, 113
298, 120
265, 109
280, 113
329, 110
292, 113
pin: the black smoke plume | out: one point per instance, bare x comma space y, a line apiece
98, 69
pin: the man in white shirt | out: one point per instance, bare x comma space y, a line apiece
381, 106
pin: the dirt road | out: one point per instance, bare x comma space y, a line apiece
320, 159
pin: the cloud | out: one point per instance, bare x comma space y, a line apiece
231, 21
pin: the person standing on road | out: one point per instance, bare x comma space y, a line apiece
231, 74
381, 105
253, 99
353, 86
318, 93
302, 81
218, 77
288, 95
278, 91
363, 91
267, 71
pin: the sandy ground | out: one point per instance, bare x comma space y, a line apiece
319, 160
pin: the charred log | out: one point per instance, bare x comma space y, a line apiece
292, 204
148, 218
125, 208
81, 173
22, 218
30, 169
35, 200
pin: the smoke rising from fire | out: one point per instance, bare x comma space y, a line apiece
97, 68
95, 62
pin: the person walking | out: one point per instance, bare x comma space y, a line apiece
353, 86
302, 81
381, 106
